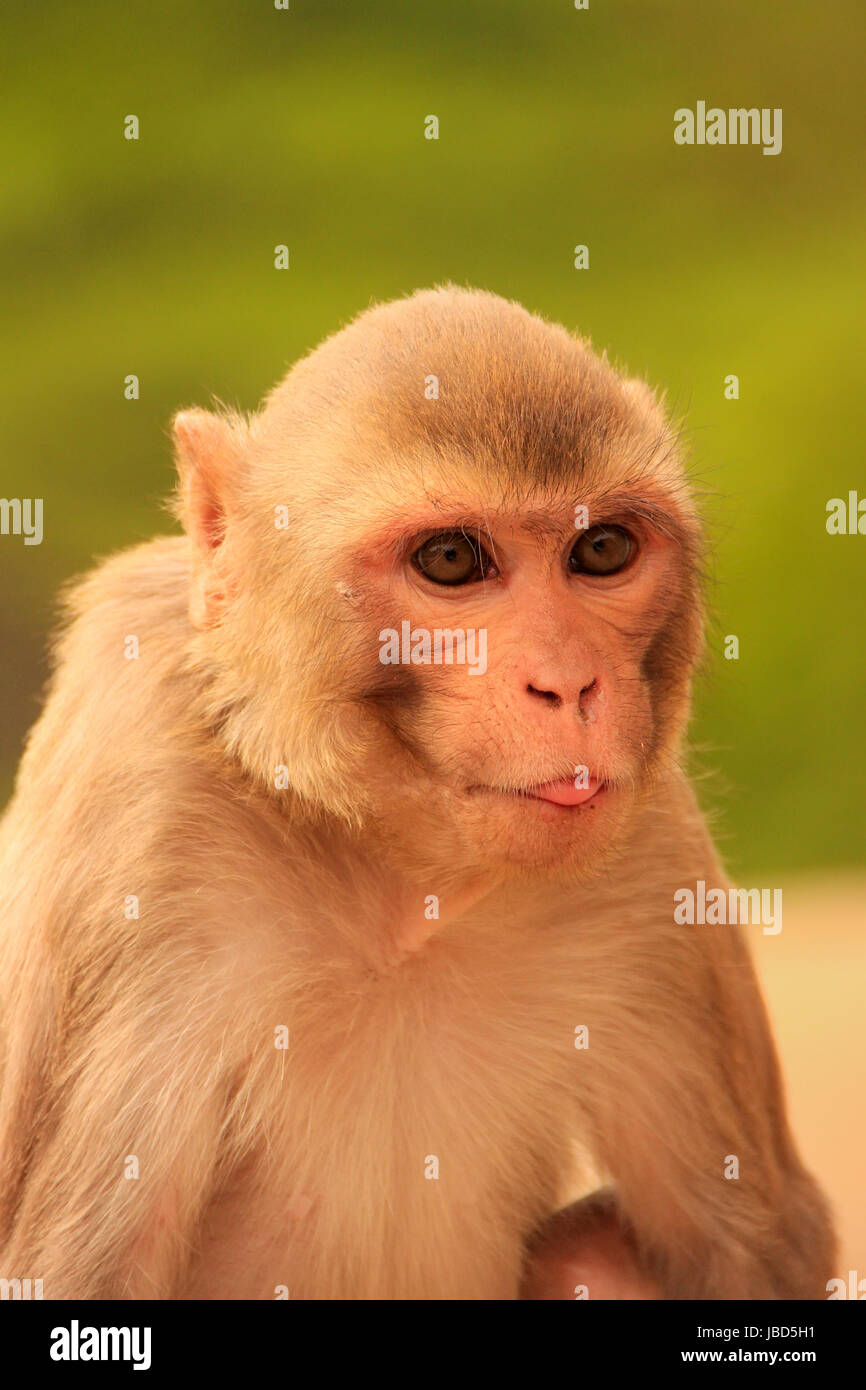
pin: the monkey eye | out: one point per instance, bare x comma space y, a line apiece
453, 558
602, 550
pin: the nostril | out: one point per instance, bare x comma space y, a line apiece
587, 701
549, 696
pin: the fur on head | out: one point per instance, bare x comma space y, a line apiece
448, 409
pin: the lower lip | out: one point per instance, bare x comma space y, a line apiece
565, 793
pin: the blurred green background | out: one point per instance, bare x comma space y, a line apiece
306, 126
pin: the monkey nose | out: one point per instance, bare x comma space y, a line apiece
550, 697
586, 700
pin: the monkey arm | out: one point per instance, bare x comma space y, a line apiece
110, 1112
107, 1184
686, 1102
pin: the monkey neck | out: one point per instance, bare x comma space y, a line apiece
389, 908
399, 906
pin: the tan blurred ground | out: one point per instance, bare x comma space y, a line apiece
814, 978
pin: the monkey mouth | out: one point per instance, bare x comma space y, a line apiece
562, 792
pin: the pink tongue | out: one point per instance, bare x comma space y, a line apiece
565, 793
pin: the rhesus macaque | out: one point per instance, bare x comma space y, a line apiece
338, 928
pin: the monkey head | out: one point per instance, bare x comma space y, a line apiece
446, 578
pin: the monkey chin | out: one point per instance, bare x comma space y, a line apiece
526, 834
475, 834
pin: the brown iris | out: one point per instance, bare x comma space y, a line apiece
601, 550
452, 557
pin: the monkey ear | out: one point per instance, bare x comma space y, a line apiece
205, 450
208, 450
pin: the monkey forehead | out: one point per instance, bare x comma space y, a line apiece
453, 381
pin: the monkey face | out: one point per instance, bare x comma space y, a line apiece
520, 681
475, 634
